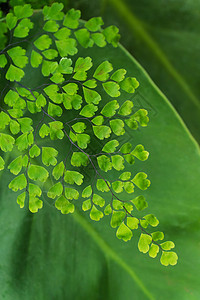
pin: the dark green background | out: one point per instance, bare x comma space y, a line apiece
51, 256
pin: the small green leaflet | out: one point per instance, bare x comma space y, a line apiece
109, 110
49, 155
103, 70
14, 73
54, 12
117, 127
126, 108
43, 42
79, 159
72, 177
6, 142
102, 131
72, 18
123, 232
111, 88
129, 84
87, 192
55, 190
18, 183
16, 165
64, 205
112, 36
104, 163
141, 181
71, 193
95, 214
83, 37
110, 146
38, 173
58, 170
24, 11
18, 56
94, 24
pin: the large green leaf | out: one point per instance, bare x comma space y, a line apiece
48, 255
164, 39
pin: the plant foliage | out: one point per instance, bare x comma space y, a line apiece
33, 121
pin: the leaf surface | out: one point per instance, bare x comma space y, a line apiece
174, 198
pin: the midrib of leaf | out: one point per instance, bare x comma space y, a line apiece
137, 27
110, 253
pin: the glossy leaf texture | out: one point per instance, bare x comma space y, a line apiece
163, 37
109, 256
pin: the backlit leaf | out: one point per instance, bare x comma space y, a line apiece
102, 185
109, 110
21, 199
51, 26
117, 127
140, 203
118, 75
94, 24
91, 96
112, 36
72, 18
99, 39
124, 233
55, 190
95, 214
132, 222
71, 193
104, 163
117, 218
169, 258
83, 64
110, 146
102, 131
14, 73
49, 155
126, 108
34, 151
140, 153
38, 173
88, 110
18, 183
72, 177
111, 88
58, 170
83, 37
53, 12
118, 162
103, 70
64, 205
6, 142
144, 241
87, 192
18, 55
16, 165
23, 11
141, 181
167, 245
129, 84
153, 251
43, 42
79, 159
